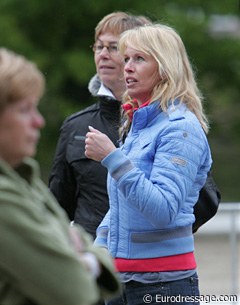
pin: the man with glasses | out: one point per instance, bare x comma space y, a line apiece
78, 183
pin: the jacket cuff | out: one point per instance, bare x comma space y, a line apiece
101, 239
117, 164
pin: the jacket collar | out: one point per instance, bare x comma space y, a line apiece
94, 85
104, 91
143, 116
109, 106
97, 88
27, 170
176, 110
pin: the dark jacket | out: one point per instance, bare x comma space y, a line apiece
78, 183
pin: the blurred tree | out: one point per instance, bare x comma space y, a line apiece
57, 34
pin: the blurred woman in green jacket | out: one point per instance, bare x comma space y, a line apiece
43, 260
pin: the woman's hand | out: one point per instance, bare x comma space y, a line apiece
97, 145
88, 259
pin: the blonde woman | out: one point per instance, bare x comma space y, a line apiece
154, 178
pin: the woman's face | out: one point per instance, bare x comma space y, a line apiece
109, 63
141, 74
20, 123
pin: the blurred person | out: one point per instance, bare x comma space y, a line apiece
43, 261
78, 183
155, 176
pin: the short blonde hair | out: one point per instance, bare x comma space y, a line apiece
178, 82
19, 78
118, 22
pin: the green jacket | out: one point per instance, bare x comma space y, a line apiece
38, 264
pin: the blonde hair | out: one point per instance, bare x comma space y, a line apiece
118, 22
177, 77
19, 78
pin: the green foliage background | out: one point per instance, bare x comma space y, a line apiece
56, 34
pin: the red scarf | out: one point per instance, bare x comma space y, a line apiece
131, 107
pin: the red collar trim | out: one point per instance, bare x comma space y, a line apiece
129, 108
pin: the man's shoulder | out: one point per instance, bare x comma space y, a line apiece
81, 118
84, 112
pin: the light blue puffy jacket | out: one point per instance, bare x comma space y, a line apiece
153, 183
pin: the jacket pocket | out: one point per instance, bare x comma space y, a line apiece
76, 148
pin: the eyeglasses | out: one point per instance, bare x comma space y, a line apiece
98, 47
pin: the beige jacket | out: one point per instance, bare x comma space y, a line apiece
38, 263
